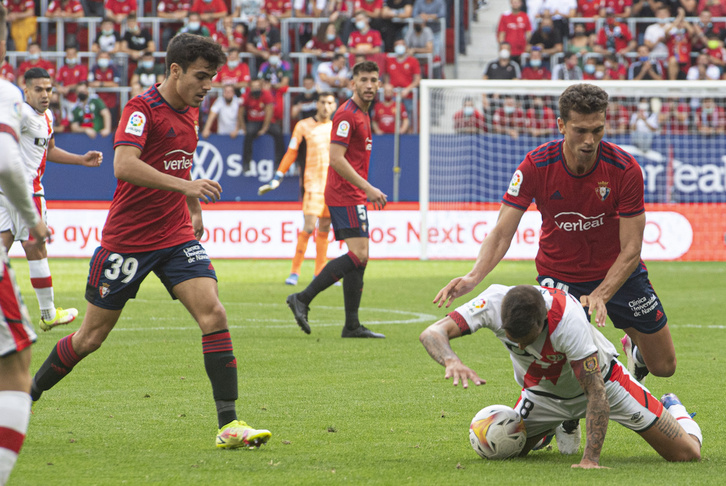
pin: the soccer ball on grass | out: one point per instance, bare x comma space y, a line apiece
497, 432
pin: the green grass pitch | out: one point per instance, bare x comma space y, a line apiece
140, 411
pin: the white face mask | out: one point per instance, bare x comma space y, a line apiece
504, 54
194, 25
643, 106
508, 109
360, 25
103, 63
399, 49
330, 37
232, 64
535, 63
274, 60
468, 110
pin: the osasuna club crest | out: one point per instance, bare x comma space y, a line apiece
104, 290
602, 190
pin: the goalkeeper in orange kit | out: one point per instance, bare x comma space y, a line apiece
316, 133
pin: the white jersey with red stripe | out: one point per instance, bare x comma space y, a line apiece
36, 130
543, 366
11, 102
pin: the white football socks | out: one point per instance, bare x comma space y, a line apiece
685, 421
14, 417
43, 285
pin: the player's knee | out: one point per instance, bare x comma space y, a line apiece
687, 454
664, 367
214, 319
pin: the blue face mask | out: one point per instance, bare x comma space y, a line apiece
535, 63
103, 63
589, 68
546, 29
643, 58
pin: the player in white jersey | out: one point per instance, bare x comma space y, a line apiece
37, 146
16, 332
557, 355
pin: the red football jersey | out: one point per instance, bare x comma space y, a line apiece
240, 74
118, 7
617, 34
172, 6
69, 75
367, 5
580, 236
372, 37
19, 6
41, 63
255, 107
384, 115
515, 28
276, 7
589, 9
351, 128
401, 73
141, 218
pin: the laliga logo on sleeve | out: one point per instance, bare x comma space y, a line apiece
343, 129
515, 183
136, 123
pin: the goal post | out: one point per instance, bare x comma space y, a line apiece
466, 160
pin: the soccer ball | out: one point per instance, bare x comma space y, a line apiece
497, 432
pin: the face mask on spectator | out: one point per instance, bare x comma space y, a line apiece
468, 110
82, 96
274, 60
194, 25
589, 68
107, 31
546, 29
708, 111
418, 28
33, 57
508, 109
400, 50
643, 58
232, 64
504, 54
360, 25
72, 61
599, 74
535, 63
330, 37
147, 64
103, 63
643, 106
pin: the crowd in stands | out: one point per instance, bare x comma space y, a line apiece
111, 53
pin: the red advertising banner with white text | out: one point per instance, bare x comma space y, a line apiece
253, 230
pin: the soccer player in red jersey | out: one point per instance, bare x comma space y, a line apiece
590, 195
154, 224
346, 192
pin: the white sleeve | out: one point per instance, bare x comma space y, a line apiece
12, 180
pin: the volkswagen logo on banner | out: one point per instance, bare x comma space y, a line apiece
208, 162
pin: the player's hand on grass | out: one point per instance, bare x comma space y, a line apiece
588, 464
456, 288
377, 197
204, 189
93, 158
595, 305
461, 373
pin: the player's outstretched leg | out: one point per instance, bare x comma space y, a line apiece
352, 293
42, 283
300, 311
675, 435
14, 417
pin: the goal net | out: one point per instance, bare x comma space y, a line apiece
474, 134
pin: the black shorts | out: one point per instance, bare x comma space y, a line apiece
349, 221
635, 304
114, 278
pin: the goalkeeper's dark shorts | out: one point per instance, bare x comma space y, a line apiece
114, 278
634, 305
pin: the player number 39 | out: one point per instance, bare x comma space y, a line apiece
118, 266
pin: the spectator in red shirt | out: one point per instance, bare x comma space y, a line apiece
679, 37
70, 75
105, 75
716, 7
7, 72
589, 69
32, 60
23, 23
614, 36
364, 40
231, 35
119, 10
234, 72
589, 9
175, 10
66, 9
256, 119
535, 69
403, 72
673, 117
509, 118
710, 118
326, 43
210, 11
469, 120
540, 119
276, 10
615, 69
621, 8
384, 114
515, 29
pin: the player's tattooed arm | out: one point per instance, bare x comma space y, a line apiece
588, 374
436, 339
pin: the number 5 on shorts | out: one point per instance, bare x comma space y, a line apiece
361, 208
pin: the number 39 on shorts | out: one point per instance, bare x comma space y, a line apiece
119, 266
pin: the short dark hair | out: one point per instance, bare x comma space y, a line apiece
325, 94
185, 49
36, 73
523, 308
365, 67
584, 99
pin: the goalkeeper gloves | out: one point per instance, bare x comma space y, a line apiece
272, 185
